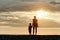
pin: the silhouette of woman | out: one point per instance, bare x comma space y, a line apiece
35, 25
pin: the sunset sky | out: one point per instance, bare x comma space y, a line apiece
26, 5
26, 9
15, 16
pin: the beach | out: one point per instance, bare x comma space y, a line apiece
24, 31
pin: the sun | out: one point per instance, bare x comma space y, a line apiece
41, 13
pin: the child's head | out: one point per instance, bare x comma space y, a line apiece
29, 23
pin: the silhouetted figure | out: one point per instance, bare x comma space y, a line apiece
30, 28
35, 25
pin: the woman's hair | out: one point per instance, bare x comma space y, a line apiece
34, 17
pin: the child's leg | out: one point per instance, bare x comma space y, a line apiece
30, 31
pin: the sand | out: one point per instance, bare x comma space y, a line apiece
24, 31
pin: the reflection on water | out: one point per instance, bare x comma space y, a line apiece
18, 19
24, 31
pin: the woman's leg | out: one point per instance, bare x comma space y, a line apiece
33, 30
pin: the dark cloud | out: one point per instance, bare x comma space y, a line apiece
23, 5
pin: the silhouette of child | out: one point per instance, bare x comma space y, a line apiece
30, 28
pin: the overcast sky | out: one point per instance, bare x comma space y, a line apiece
22, 5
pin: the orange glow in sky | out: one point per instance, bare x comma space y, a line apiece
41, 13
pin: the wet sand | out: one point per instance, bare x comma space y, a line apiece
24, 31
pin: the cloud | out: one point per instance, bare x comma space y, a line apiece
22, 5
48, 23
